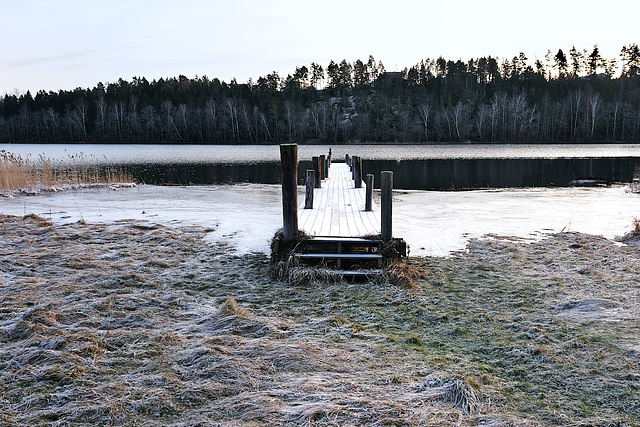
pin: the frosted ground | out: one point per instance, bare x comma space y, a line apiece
433, 223
115, 321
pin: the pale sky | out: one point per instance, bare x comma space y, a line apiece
64, 44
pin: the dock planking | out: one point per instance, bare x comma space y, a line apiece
339, 208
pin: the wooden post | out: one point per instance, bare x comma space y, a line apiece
289, 165
357, 172
352, 166
386, 188
368, 200
317, 182
326, 167
346, 159
308, 197
323, 165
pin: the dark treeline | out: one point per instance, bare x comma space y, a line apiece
577, 96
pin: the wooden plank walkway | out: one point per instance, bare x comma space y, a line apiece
338, 208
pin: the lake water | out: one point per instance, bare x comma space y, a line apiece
423, 167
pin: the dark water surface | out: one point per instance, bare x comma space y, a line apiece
452, 174
425, 167
435, 174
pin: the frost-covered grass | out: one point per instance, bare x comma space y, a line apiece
139, 324
20, 174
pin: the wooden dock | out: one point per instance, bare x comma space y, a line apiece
339, 208
343, 229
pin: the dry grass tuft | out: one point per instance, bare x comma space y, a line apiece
230, 308
38, 220
297, 276
282, 251
634, 234
311, 413
454, 391
403, 272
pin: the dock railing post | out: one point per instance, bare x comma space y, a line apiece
323, 165
327, 160
317, 182
289, 165
308, 197
357, 174
368, 201
386, 189
346, 159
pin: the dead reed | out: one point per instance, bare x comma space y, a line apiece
20, 174
633, 235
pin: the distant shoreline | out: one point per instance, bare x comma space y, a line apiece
339, 144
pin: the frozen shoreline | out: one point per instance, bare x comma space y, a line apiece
433, 223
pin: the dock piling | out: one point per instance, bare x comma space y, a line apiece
352, 167
289, 165
327, 164
317, 182
357, 172
368, 200
308, 199
386, 188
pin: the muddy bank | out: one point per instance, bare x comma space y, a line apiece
137, 323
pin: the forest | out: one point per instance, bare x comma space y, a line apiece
577, 96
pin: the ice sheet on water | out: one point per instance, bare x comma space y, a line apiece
433, 223
246, 215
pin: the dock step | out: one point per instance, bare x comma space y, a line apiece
349, 253
339, 259
340, 256
341, 245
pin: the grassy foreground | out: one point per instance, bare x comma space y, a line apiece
138, 324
